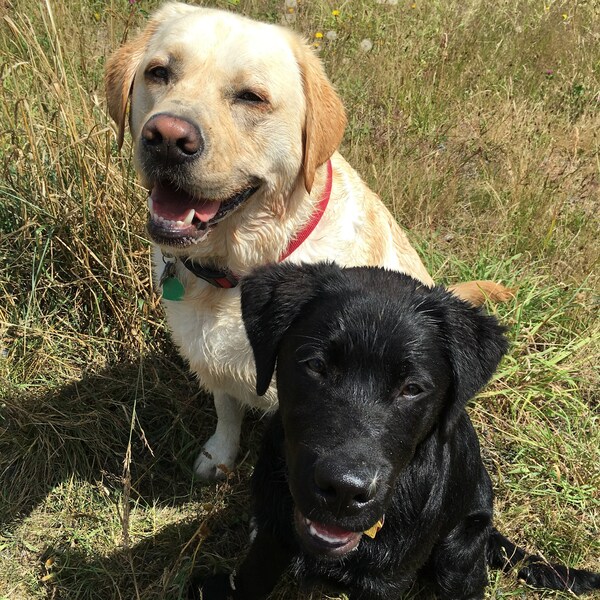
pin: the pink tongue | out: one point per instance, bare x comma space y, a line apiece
332, 531
174, 205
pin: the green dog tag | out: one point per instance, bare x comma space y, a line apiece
172, 289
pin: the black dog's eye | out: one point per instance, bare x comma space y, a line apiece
316, 365
410, 390
158, 73
250, 97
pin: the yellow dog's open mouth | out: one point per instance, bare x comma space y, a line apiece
179, 219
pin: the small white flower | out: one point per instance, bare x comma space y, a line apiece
331, 35
366, 45
291, 3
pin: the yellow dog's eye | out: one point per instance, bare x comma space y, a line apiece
158, 73
249, 96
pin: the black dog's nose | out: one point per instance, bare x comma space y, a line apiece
173, 140
344, 490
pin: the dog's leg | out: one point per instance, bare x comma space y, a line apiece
458, 563
262, 568
218, 454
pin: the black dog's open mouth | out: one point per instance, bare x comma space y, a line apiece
179, 219
325, 540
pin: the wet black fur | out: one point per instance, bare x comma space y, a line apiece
374, 332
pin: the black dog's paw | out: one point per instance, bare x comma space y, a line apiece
217, 587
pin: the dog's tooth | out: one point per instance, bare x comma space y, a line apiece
320, 535
150, 206
190, 217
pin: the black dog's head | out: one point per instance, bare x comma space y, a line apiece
370, 363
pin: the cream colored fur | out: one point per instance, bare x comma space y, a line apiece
285, 146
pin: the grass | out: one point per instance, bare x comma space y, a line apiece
479, 125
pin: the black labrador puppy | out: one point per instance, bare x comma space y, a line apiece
370, 476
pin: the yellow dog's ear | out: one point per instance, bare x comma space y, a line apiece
325, 115
119, 75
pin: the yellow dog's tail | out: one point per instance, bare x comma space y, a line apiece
480, 291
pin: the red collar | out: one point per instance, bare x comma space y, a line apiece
226, 279
316, 216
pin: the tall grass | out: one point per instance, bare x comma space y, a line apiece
477, 122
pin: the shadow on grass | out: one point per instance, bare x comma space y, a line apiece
150, 410
83, 429
159, 566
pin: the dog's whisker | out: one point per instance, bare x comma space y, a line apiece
373, 484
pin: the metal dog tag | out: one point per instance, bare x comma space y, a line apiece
372, 532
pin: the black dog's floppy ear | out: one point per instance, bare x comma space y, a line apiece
272, 298
476, 344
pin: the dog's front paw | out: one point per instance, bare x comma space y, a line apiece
217, 587
216, 459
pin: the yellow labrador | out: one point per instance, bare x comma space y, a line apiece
235, 128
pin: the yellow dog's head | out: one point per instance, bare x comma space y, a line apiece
228, 117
